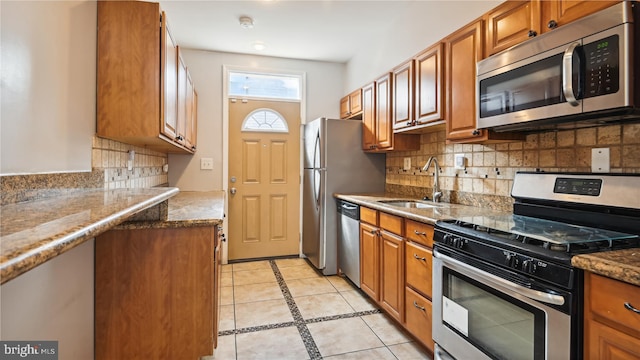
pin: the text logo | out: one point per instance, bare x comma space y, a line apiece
18, 350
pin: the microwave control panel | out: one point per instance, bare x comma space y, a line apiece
602, 72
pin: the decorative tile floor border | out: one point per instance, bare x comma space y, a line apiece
298, 321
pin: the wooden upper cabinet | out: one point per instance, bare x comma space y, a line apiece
429, 80
463, 49
182, 102
351, 105
511, 23
561, 12
169, 120
137, 76
368, 117
383, 108
403, 95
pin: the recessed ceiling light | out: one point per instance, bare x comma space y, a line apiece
259, 45
246, 22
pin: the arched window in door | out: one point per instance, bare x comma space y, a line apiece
265, 120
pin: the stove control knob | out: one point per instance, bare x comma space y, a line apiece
510, 260
529, 266
447, 239
460, 243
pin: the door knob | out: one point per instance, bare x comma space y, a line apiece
233, 191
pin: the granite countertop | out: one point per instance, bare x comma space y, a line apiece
34, 232
623, 265
187, 209
440, 211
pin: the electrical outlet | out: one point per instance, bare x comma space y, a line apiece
407, 163
600, 160
206, 164
460, 161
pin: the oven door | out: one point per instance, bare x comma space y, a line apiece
479, 315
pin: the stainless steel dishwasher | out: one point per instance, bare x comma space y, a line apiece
349, 240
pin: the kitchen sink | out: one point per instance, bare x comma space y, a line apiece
415, 204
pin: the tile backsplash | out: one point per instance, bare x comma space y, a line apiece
111, 157
487, 179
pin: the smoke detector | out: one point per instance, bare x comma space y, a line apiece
246, 22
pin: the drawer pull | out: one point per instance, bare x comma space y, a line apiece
630, 307
419, 233
419, 258
418, 306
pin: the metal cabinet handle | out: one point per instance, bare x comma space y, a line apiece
419, 258
419, 233
475, 132
418, 306
630, 307
374, 231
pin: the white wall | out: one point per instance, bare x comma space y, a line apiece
54, 302
323, 92
382, 55
48, 86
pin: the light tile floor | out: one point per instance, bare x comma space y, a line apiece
284, 309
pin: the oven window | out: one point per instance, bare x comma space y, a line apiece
501, 326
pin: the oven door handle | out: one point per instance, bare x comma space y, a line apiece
536, 295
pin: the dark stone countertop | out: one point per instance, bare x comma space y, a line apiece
623, 265
33, 232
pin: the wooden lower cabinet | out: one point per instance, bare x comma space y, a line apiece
395, 271
392, 274
418, 262
369, 260
419, 317
612, 331
154, 293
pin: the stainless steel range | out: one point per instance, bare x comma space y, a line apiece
504, 287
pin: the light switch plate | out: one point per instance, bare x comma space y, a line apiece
206, 164
600, 160
460, 162
407, 163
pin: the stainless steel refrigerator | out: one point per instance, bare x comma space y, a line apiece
333, 163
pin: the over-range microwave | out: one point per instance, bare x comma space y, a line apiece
584, 73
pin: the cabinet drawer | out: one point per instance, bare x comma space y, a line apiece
369, 216
419, 232
608, 298
391, 223
418, 262
418, 317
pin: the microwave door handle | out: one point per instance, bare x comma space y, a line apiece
567, 75
537, 295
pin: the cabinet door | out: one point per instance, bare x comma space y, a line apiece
403, 96
368, 117
463, 50
419, 317
418, 262
355, 102
604, 342
181, 128
344, 107
511, 23
429, 75
561, 12
217, 275
392, 275
169, 124
383, 107
369, 260
190, 126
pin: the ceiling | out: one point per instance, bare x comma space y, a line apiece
327, 30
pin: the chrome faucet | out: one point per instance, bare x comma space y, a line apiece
437, 194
